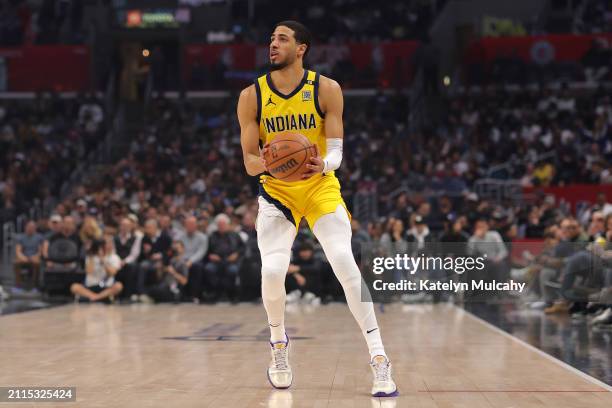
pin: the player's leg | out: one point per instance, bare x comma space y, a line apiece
275, 236
333, 231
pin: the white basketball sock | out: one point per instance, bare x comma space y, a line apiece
334, 233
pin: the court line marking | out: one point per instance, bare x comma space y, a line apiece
547, 356
515, 391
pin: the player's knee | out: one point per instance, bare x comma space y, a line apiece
338, 252
350, 280
272, 282
272, 275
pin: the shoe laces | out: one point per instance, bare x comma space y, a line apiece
382, 371
280, 358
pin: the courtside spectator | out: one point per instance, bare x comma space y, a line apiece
224, 256
101, 266
28, 251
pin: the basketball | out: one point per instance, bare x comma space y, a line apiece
288, 155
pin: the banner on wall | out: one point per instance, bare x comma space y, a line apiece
63, 68
574, 194
387, 64
537, 49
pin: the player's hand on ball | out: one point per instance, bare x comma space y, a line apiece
315, 166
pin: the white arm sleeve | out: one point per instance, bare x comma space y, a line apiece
334, 154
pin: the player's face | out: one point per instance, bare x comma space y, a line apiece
283, 48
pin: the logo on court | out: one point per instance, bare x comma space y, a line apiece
306, 96
230, 332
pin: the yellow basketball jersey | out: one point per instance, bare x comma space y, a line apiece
299, 112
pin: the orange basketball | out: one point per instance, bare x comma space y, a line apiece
288, 155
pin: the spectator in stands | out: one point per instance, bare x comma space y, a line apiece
28, 251
90, 230
418, 237
393, 240
80, 211
101, 266
303, 281
588, 265
597, 61
572, 240
154, 255
165, 224
597, 227
127, 244
54, 227
453, 232
359, 239
250, 272
174, 277
195, 246
402, 209
489, 243
224, 256
535, 227
68, 231
91, 114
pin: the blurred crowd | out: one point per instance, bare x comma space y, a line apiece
42, 141
125, 242
174, 219
48, 22
341, 20
542, 137
592, 16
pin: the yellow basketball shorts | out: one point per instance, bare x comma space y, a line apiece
311, 199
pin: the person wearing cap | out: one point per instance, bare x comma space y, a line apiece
419, 234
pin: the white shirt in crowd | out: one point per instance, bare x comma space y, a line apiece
99, 275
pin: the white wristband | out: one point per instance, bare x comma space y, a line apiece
333, 158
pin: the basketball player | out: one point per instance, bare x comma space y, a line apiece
291, 98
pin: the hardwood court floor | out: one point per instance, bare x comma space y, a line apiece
216, 356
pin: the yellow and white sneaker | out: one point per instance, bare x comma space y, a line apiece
279, 371
383, 385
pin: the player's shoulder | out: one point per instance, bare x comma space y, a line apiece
248, 92
328, 84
